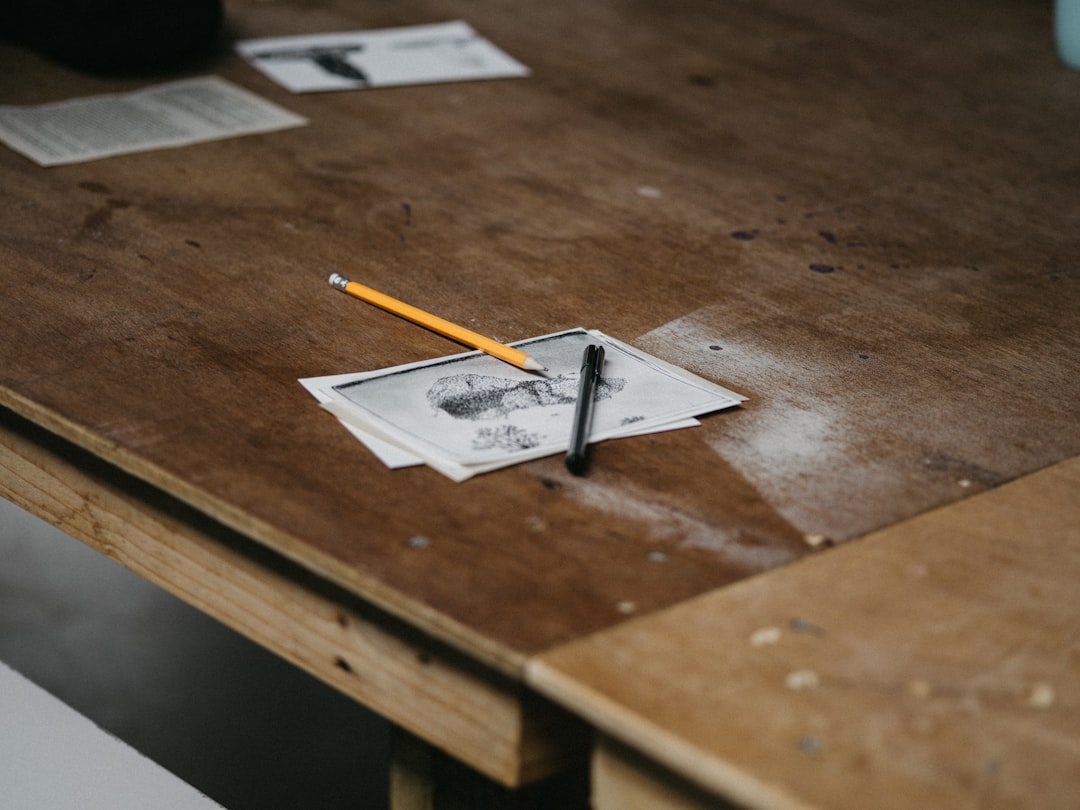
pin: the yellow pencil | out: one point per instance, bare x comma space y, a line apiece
509, 354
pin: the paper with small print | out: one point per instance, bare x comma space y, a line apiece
470, 413
350, 60
165, 115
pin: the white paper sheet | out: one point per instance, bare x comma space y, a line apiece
470, 413
349, 60
391, 455
165, 115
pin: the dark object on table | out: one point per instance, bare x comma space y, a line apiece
333, 59
592, 364
114, 36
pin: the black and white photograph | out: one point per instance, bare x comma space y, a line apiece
472, 409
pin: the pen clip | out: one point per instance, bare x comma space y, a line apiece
593, 359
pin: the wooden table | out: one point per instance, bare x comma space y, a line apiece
861, 215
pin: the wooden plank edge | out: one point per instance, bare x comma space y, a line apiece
627, 737
478, 715
666, 750
453, 633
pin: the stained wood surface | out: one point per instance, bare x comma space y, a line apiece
860, 215
933, 664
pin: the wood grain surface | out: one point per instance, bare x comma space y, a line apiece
860, 215
933, 664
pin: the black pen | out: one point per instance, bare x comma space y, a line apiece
591, 364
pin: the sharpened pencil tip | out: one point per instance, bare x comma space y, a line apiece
532, 365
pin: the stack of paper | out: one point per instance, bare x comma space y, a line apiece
351, 60
166, 115
470, 413
209, 108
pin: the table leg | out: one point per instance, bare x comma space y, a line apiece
623, 779
424, 778
411, 762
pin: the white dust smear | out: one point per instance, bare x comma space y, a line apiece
669, 525
797, 440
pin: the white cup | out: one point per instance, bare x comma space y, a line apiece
1067, 31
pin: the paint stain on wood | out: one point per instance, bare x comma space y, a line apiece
94, 187
97, 219
802, 680
765, 637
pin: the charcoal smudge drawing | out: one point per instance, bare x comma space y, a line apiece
477, 396
471, 412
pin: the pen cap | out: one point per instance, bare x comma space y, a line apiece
592, 357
